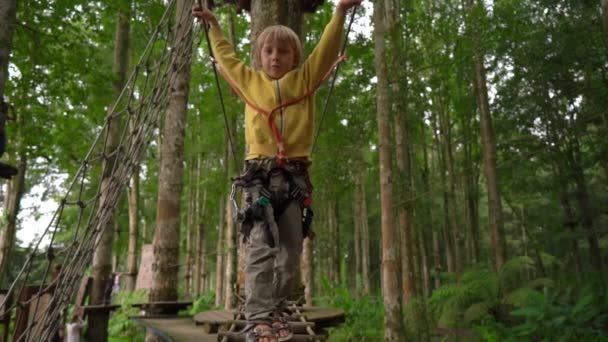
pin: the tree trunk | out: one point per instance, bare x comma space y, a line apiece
455, 231
393, 322
605, 23
8, 11
402, 143
582, 196
199, 231
273, 12
495, 216
333, 237
219, 265
358, 220
445, 229
471, 190
365, 255
166, 242
189, 225
230, 298
308, 270
12, 205
133, 199
102, 257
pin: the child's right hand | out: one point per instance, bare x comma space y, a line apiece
202, 13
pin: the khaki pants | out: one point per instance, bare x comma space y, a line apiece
274, 246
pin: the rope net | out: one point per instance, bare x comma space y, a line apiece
141, 104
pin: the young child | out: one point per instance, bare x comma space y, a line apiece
75, 326
279, 122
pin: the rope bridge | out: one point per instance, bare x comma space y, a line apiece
142, 103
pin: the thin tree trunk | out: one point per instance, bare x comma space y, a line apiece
445, 229
402, 144
102, 257
582, 196
308, 270
393, 322
605, 23
12, 205
358, 220
406, 224
471, 176
365, 255
219, 266
133, 199
8, 11
455, 236
168, 211
495, 215
230, 299
333, 231
189, 224
199, 231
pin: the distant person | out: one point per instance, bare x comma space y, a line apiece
75, 326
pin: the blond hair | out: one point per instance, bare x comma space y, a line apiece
281, 34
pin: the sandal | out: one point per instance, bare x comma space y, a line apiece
281, 326
259, 331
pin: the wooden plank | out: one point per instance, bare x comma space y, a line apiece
181, 329
240, 337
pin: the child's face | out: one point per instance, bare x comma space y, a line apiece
277, 59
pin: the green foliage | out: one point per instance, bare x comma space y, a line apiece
203, 303
557, 316
120, 324
481, 294
364, 316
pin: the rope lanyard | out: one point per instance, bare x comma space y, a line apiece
270, 114
219, 91
333, 81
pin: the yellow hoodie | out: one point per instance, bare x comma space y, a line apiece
261, 90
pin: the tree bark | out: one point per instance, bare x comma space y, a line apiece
365, 255
166, 236
219, 263
308, 270
605, 23
391, 289
230, 298
495, 215
357, 222
102, 257
471, 190
273, 12
445, 229
133, 200
8, 11
199, 231
12, 205
189, 225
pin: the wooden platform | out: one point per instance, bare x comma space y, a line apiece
213, 325
178, 329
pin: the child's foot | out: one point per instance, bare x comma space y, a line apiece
282, 329
262, 333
